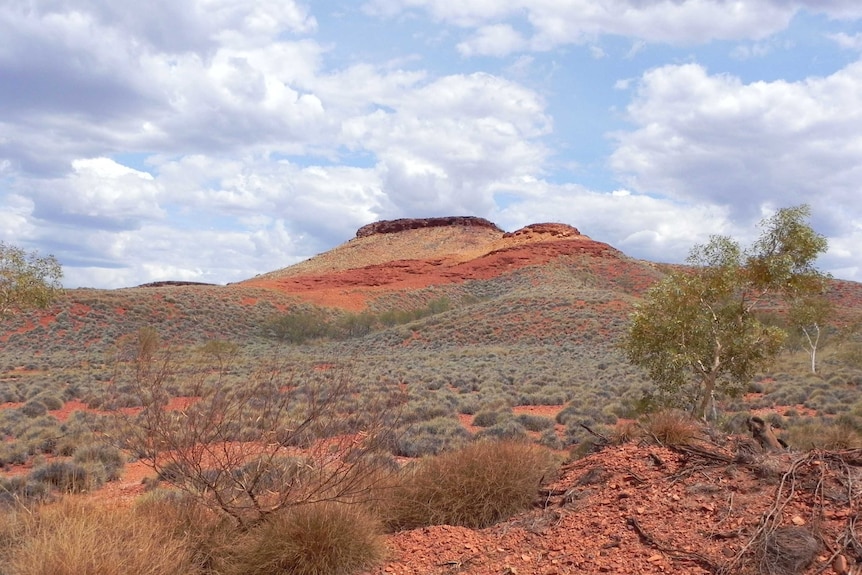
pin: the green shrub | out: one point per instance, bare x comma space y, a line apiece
316, 539
66, 476
535, 422
431, 437
111, 458
487, 418
476, 486
21, 489
507, 429
50, 401
550, 440
298, 326
33, 408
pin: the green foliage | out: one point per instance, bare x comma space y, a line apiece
108, 457
535, 422
475, 487
66, 476
507, 429
26, 279
431, 437
298, 327
34, 408
697, 331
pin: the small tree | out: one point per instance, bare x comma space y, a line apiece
26, 279
809, 315
696, 332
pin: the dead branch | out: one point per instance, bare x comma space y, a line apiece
673, 552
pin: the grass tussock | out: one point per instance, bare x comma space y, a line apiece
325, 538
474, 487
670, 427
823, 435
73, 537
210, 537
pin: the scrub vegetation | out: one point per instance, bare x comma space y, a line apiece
307, 432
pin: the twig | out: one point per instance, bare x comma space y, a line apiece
595, 433
673, 552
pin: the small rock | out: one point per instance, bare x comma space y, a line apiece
840, 565
797, 520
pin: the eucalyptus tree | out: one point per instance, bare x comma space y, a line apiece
27, 279
697, 332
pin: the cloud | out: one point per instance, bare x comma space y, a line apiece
99, 194
640, 225
446, 140
493, 40
580, 21
747, 146
215, 139
847, 41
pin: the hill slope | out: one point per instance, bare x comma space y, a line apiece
402, 255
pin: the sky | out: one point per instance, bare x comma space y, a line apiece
213, 140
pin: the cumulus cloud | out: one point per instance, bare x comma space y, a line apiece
100, 193
712, 138
448, 139
642, 226
215, 139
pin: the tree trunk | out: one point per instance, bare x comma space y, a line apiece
763, 433
812, 345
708, 392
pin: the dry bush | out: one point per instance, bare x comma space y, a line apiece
475, 486
209, 536
281, 438
788, 550
625, 431
76, 538
327, 538
823, 435
670, 427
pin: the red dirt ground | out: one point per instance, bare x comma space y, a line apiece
628, 510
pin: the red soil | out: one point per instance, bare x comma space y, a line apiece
629, 509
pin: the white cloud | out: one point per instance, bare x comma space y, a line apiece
493, 40
847, 41
579, 21
264, 142
99, 193
639, 225
714, 139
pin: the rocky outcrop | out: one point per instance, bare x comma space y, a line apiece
557, 231
395, 226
